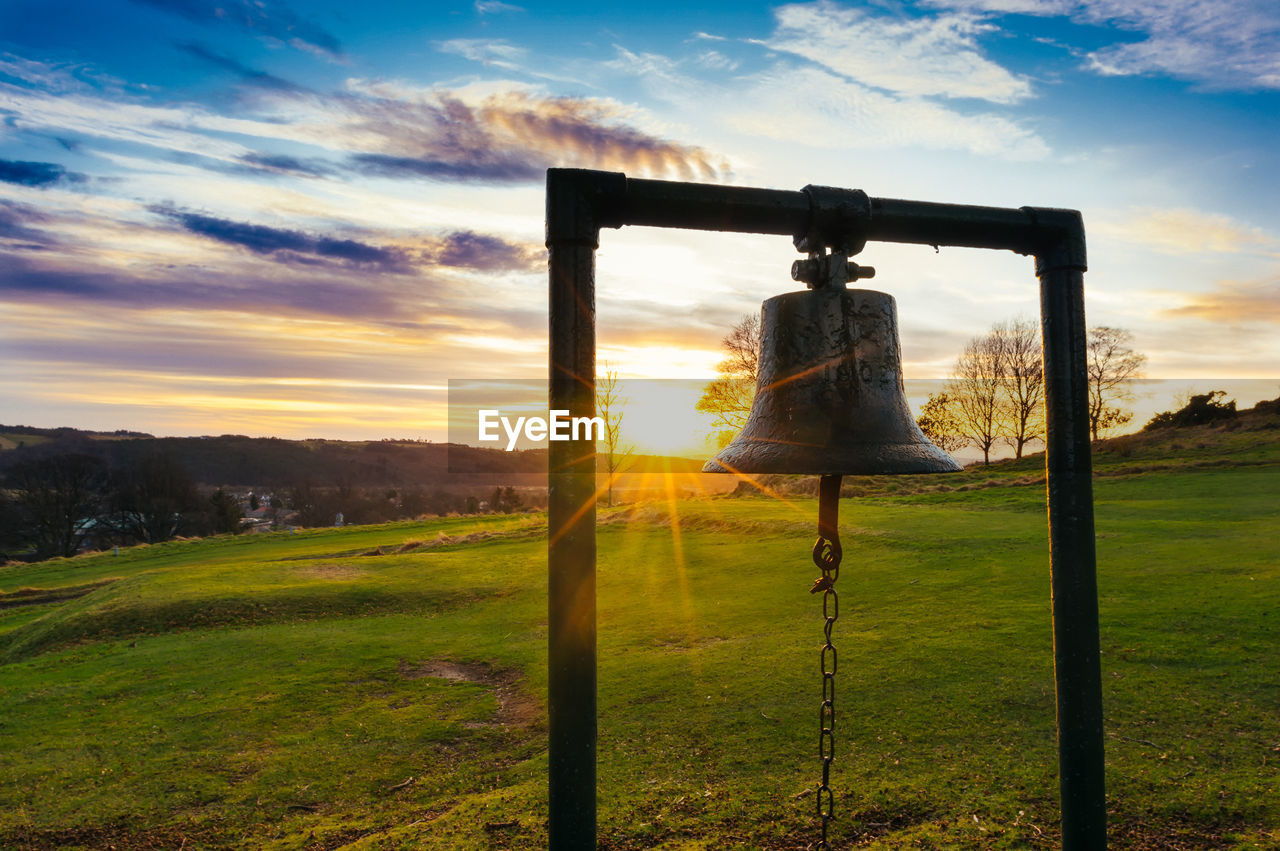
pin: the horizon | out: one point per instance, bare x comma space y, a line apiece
302, 219
690, 436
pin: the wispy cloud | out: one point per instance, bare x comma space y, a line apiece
510, 137
834, 112
459, 249
381, 128
251, 76
258, 17
1234, 302
15, 224
25, 173
1229, 44
1221, 43
914, 57
1182, 231
837, 113
484, 252
289, 246
496, 7
285, 164
498, 54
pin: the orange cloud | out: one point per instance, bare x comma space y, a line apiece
1234, 301
1184, 231
507, 137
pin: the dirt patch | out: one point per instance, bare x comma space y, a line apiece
37, 596
516, 707
332, 571
684, 645
533, 530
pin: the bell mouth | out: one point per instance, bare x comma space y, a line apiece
748, 455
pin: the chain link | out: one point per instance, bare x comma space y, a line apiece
826, 555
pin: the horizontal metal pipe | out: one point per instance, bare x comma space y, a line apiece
705, 206
619, 200
928, 223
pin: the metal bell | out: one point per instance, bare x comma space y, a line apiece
829, 397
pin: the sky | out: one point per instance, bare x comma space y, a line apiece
303, 219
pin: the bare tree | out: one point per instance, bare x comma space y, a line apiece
55, 499
152, 498
729, 397
609, 405
1021, 370
975, 390
743, 347
1111, 363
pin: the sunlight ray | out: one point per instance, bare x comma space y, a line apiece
762, 487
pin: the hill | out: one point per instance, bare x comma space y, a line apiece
237, 461
384, 686
266, 462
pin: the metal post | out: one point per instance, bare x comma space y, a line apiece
572, 238
1073, 570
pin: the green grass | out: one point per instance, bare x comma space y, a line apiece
279, 691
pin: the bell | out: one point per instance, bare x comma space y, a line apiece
829, 397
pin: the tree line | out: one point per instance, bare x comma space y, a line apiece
994, 395
60, 504
56, 504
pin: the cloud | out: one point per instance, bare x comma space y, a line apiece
257, 17
834, 112
1222, 43
22, 276
507, 138
1225, 44
483, 252
840, 114
1182, 231
485, 167
1020, 7
381, 128
14, 221
459, 249
916, 57
248, 75
25, 173
288, 246
1245, 302
286, 165
80, 282
714, 60
498, 54
496, 7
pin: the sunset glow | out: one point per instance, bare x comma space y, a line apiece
306, 227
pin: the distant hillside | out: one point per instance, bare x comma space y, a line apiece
240, 462
237, 461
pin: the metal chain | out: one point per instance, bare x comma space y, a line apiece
827, 554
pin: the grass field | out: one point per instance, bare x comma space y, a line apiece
384, 686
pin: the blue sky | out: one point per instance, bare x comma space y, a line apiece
303, 219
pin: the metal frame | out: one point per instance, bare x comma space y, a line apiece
579, 204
